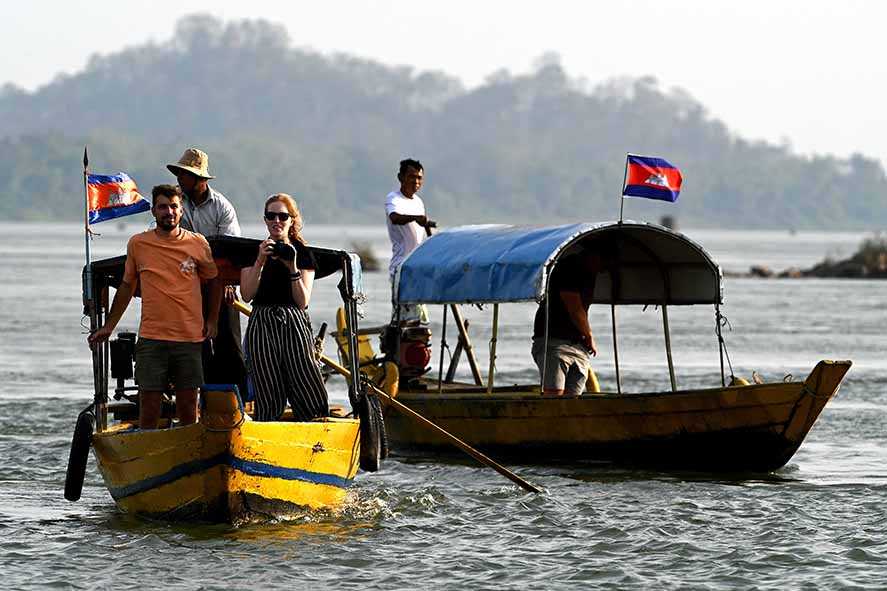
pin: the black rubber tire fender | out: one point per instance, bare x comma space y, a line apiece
373, 442
80, 444
383, 433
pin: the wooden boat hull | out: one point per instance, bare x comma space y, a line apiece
742, 428
251, 471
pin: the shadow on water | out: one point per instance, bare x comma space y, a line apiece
610, 474
603, 471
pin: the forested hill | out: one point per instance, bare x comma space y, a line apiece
535, 148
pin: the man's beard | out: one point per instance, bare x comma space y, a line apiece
167, 224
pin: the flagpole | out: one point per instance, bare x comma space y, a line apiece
92, 308
87, 289
622, 195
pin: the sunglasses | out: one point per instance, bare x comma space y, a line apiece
277, 215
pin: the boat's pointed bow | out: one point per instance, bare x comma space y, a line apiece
818, 389
826, 377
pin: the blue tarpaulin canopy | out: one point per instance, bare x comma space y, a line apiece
500, 263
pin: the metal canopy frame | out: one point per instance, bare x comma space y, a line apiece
656, 266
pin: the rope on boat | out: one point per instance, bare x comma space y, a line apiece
805, 391
812, 393
230, 428
720, 321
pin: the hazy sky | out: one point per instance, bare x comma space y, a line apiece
811, 73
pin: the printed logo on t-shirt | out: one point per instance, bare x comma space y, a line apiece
188, 266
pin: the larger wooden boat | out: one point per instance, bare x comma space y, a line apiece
723, 428
226, 467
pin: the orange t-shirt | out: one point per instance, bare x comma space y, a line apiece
169, 271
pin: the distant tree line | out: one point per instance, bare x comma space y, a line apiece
535, 148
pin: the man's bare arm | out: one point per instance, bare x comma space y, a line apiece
210, 326
579, 317
122, 297
400, 219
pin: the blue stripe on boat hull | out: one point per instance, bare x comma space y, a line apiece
272, 471
246, 466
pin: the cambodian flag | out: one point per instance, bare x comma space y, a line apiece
651, 178
113, 196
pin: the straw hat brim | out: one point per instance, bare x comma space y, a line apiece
174, 168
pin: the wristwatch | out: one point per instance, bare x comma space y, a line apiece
295, 276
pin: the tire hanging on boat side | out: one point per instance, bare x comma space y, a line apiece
80, 444
383, 433
373, 439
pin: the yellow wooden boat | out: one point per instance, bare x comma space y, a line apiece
733, 428
726, 427
226, 467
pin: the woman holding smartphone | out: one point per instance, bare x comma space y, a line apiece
279, 339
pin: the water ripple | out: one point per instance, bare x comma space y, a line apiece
819, 522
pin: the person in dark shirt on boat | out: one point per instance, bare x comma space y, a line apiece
208, 212
279, 340
168, 264
564, 369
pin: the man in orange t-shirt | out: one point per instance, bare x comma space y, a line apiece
168, 263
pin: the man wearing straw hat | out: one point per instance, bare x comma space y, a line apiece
208, 212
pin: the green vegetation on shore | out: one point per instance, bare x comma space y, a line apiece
536, 148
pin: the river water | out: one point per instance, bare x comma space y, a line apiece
820, 522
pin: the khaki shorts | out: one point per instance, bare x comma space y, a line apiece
161, 363
566, 367
409, 313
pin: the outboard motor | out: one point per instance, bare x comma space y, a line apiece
123, 350
413, 354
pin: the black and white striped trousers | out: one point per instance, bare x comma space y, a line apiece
281, 362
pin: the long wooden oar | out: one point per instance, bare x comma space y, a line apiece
439, 430
246, 310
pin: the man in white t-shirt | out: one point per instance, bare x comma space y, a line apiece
407, 223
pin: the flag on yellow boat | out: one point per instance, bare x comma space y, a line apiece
113, 196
